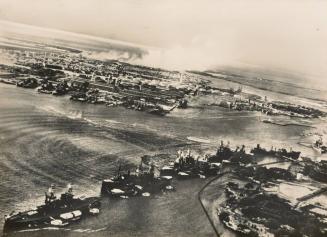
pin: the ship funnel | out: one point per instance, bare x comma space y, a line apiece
70, 188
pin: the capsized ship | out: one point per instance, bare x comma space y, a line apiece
143, 182
54, 212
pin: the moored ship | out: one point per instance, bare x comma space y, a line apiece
187, 166
225, 154
28, 83
54, 212
319, 146
283, 153
140, 183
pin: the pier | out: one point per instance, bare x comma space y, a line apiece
312, 195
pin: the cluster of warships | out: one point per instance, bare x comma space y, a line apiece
146, 180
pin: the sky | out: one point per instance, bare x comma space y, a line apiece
282, 34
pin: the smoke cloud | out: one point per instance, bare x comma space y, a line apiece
288, 35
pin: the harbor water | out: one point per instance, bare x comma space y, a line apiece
48, 140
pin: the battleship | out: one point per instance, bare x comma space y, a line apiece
187, 166
55, 212
225, 154
62, 88
282, 152
46, 87
141, 183
28, 83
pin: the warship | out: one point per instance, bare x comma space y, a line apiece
225, 154
282, 153
78, 96
46, 87
187, 166
28, 83
55, 212
141, 183
62, 88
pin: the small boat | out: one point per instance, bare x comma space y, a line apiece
8, 81
319, 147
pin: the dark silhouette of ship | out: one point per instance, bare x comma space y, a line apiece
62, 88
187, 166
141, 183
225, 153
28, 83
46, 87
54, 212
258, 151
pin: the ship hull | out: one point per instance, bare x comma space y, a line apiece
56, 216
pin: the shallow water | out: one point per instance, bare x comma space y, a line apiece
51, 140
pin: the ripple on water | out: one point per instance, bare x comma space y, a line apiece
46, 140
